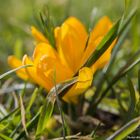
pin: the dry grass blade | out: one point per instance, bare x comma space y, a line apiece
23, 119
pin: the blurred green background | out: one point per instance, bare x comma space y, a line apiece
16, 17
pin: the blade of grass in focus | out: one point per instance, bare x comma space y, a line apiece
125, 130
115, 31
13, 70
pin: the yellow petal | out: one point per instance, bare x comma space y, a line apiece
78, 27
15, 63
70, 45
32, 73
84, 81
38, 35
100, 30
44, 49
50, 69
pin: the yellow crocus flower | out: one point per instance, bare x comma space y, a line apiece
69, 56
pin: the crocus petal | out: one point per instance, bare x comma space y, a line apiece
100, 30
70, 46
15, 63
84, 81
32, 72
52, 70
38, 35
44, 49
79, 28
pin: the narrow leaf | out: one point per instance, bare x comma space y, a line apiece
104, 44
115, 31
127, 21
13, 70
45, 115
125, 130
48, 105
132, 97
33, 97
31, 124
10, 114
4, 137
119, 75
23, 119
139, 81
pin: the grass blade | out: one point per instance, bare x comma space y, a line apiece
48, 105
33, 97
119, 75
104, 44
125, 130
30, 124
132, 98
4, 137
115, 31
11, 113
23, 118
139, 81
45, 115
13, 70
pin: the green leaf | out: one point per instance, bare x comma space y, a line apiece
116, 49
10, 114
48, 105
48, 26
32, 99
45, 115
31, 124
127, 21
139, 81
14, 70
125, 69
132, 98
115, 31
125, 130
104, 44
4, 137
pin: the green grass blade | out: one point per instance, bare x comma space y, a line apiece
116, 49
48, 105
124, 70
14, 70
115, 31
4, 137
125, 130
132, 97
127, 21
33, 97
45, 115
11, 113
109, 66
104, 44
139, 81
31, 124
